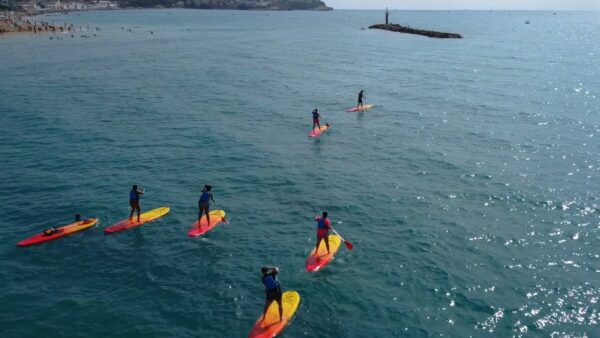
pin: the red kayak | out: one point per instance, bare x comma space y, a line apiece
62, 231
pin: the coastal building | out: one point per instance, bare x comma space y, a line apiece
106, 4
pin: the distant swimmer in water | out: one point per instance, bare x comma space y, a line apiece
204, 203
323, 227
316, 116
134, 201
361, 96
272, 290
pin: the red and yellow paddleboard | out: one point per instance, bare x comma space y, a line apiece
271, 326
317, 132
146, 217
317, 261
200, 228
64, 230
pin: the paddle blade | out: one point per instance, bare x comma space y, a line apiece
349, 245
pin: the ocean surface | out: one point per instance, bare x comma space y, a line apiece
470, 191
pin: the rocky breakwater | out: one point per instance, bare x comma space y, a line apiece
408, 30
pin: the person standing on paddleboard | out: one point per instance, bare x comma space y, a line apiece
323, 227
361, 96
204, 203
272, 289
316, 116
134, 201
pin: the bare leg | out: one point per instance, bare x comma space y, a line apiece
280, 309
138, 212
327, 243
267, 303
317, 246
207, 215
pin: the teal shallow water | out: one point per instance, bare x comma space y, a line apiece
470, 192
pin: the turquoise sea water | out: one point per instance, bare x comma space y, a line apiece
469, 192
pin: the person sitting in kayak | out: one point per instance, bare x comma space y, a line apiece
272, 290
323, 227
134, 201
204, 203
316, 116
361, 96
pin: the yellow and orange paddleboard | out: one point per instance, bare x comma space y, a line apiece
146, 217
201, 227
64, 230
271, 326
318, 260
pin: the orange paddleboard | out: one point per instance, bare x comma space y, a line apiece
317, 261
146, 217
200, 228
271, 326
62, 231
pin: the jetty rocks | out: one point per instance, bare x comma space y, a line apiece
403, 29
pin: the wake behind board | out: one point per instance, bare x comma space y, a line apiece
64, 230
146, 217
360, 109
271, 326
317, 132
318, 260
202, 227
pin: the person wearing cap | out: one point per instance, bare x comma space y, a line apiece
204, 202
316, 115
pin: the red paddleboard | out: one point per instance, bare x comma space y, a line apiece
359, 109
146, 217
200, 228
317, 132
317, 261
62, 232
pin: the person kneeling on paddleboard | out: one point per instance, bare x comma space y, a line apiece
323, 226
204, 203
316, 115
361, 95
134, 201
272, 289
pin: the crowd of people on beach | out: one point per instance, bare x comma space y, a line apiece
19, 24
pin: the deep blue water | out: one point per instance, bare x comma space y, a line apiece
470, 191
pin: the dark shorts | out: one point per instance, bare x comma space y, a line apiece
203, 205
274, 294
134, 204
315, 120
360, 101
